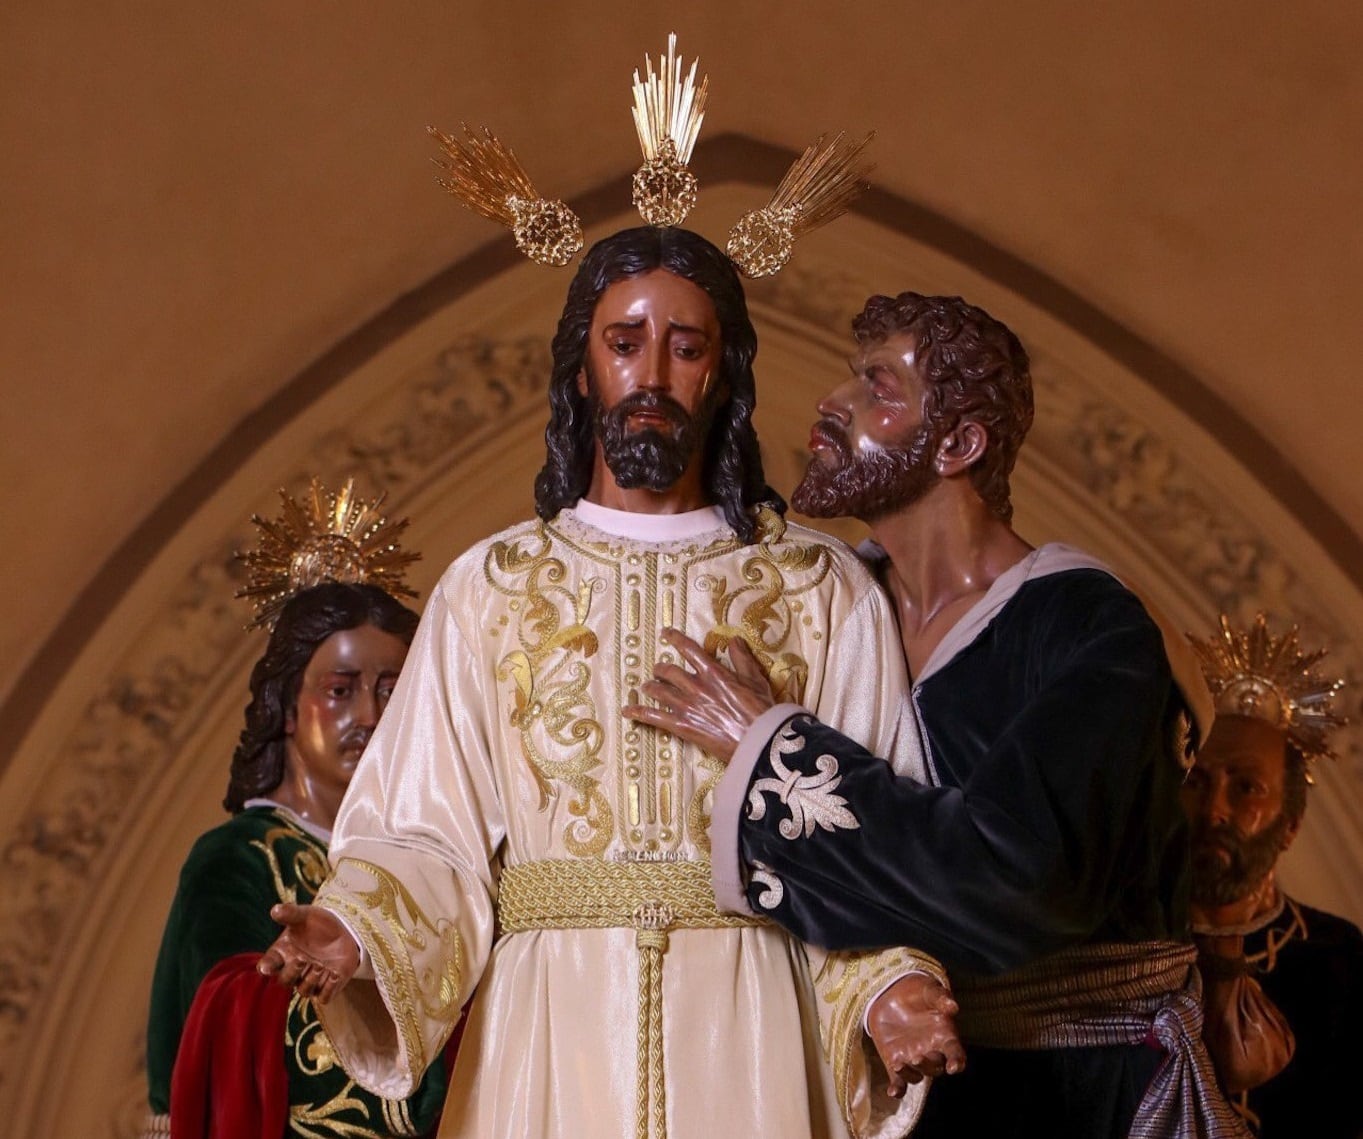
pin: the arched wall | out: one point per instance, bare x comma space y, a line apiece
440, 402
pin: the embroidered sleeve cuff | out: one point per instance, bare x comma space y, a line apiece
365, 970
730, 793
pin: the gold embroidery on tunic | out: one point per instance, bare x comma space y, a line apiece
845, 984
313, 1051
658, 798
551, 698
392, 926
319, 1121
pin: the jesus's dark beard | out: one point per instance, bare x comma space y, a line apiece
649, 457
1219, 880
868, 485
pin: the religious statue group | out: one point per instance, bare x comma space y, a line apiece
671, 818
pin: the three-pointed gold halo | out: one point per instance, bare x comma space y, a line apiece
328, 537
669, 106
1253, 673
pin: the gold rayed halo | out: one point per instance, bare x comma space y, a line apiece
668, 111
819, 186
328, 537
1253, 673
487, 177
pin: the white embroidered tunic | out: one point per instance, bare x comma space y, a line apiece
615, 1000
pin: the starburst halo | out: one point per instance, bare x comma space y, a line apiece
819, 186
327, 537
1253, 673
668, 110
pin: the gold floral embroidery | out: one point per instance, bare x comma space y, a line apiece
305, 856
552, 708
395, 932
553, 660
315, 1055
757, 609
763, 608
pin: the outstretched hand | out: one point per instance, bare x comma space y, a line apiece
315, 954
708, 704
913, 1026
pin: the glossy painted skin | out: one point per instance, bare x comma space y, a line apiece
880, 405
342, 693
653, 333
1237, 783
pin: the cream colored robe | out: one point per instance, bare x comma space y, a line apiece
503, 746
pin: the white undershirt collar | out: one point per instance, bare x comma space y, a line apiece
650, 527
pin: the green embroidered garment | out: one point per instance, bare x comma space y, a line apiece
232, 877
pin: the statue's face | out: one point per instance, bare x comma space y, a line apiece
652, 373
1233, 798
871, 450
344, 690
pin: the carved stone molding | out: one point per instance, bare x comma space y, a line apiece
415, 434
128, 734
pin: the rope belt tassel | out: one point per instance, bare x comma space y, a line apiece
652, 898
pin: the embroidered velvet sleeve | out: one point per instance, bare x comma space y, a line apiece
1027, 855
861, 686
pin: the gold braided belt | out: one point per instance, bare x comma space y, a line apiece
651, 898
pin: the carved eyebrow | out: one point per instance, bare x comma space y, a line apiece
677, 326
673, 326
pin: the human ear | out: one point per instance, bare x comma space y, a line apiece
961, 448
291, 719
582, 386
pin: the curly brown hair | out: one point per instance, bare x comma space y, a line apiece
974, 367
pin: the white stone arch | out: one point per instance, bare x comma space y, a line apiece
125, 760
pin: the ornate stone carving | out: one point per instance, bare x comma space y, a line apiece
131, 730
1137, 476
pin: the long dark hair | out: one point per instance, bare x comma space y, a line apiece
732, 471
305, 622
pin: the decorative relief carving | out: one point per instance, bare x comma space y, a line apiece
130, 732
126, 735
1139, 477
471, 385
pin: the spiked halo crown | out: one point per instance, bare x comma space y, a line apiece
327, 537
1253, 673
669, 106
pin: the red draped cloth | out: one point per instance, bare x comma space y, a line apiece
230, 1081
